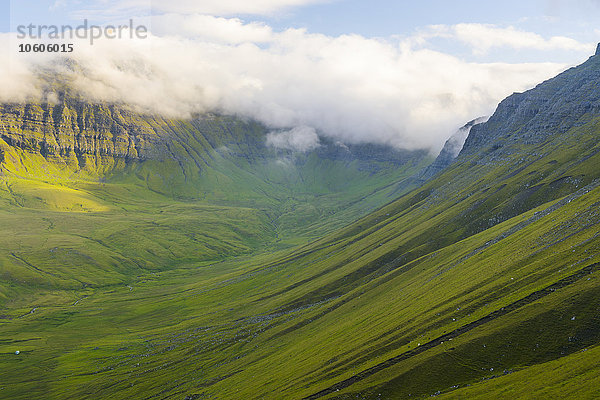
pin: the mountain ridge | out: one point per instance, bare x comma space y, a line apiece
526, 117
450, 151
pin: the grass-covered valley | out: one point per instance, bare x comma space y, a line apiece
151, 258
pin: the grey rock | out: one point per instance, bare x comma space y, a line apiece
450, 151
551, 108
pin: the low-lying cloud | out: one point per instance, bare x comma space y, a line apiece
350, 88
301, 138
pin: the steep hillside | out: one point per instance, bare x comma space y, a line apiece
482, 282
450, 151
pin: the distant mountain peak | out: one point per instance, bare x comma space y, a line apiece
598, 50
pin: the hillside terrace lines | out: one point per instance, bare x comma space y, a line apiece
63, 132
537, 295
521, 225
398, 340
41, 271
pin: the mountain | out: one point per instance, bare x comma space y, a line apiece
97, 141
480, 283
450, 151
123, 193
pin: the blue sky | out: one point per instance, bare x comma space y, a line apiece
385, 17
4, 15
578, 19
371, 18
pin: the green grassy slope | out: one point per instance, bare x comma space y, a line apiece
266, 326
482, 283
95, 199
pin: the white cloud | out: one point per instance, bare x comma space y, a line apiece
482, 38
213, 29
16, 76
112, 8
350, 88
301, 138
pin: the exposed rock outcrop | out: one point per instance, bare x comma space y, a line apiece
451, 149
551, 108
77, 133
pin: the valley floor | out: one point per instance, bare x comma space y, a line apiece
504, 313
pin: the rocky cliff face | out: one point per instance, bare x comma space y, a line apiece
553, 107
77, 133
94, 137
187, 158
86, 135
